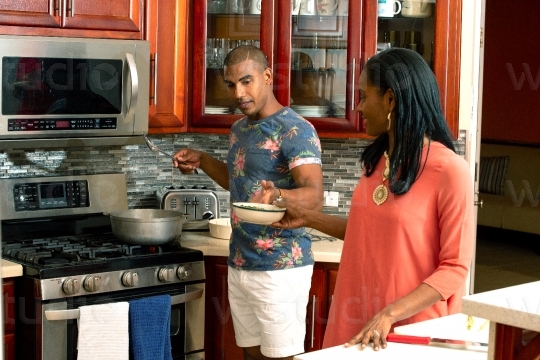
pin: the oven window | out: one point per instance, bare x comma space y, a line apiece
61, 86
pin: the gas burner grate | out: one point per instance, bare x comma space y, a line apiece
67, 250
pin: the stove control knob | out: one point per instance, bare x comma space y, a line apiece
166, 275
71, 286
184, 271
92, 283
130, 279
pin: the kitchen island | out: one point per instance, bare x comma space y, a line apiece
394, 351
514, 314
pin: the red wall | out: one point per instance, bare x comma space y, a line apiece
511, 91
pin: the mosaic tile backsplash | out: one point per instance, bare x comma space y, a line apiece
147, 172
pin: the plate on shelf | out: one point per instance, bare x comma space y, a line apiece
216, 110
314, 111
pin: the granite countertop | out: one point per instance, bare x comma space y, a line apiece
516, 306
323, 249
10, 269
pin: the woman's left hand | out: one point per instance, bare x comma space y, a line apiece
375, 330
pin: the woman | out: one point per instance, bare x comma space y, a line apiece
409, 237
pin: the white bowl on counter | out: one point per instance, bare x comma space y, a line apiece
261, 214
220, 228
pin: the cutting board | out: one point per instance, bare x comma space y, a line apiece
393, 351
448, 327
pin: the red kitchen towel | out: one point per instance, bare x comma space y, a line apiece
150, 329
103, 332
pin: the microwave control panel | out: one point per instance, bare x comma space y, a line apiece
50, 195
61, 124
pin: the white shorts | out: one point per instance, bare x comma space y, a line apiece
269, 309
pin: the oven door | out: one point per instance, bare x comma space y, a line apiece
57, 337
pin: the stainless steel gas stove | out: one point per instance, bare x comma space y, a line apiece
58, 230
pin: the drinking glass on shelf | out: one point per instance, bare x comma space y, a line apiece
216, 6
210, 46
222, 47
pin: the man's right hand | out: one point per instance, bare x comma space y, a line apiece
187, 160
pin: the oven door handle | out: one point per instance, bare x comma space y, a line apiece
72, 314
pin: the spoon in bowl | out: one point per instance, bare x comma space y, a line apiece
154, 148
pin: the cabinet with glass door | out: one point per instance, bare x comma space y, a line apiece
433, 29
316, 49
307, 46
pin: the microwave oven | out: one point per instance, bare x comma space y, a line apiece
61, 92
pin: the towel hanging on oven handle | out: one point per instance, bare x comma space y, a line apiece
53, 315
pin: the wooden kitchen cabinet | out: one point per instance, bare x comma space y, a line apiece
73, 18
166, 31
8, 288
220, 342
323, 283
316, 59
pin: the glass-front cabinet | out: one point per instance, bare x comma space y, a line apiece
317, 49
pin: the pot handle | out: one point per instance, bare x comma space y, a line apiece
72, 314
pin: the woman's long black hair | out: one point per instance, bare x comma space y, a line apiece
417, 112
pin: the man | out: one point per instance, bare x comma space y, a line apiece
269, 269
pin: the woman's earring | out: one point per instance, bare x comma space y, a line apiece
389, 121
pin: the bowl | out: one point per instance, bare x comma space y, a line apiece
261, 214
220, 228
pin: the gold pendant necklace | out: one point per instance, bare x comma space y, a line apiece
381, 192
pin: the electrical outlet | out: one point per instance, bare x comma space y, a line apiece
331, 199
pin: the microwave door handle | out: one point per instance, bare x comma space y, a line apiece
134, 88
72, 314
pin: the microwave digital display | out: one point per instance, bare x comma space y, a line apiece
61, 86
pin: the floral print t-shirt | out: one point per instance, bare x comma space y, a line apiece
268, 149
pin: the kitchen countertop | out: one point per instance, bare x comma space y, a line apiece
509, 309
448, 327
516, 306
10, 269
394, 351
323, 250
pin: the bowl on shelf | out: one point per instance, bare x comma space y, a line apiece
220, 228
261, 214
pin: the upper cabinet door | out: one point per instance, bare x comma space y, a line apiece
29, 13
73, 18
218, 27
117, 15
430, 27
321, 63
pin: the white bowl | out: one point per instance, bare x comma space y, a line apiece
261, 214
220, 228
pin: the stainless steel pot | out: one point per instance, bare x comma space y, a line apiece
146, 226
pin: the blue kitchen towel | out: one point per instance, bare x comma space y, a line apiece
149, 328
